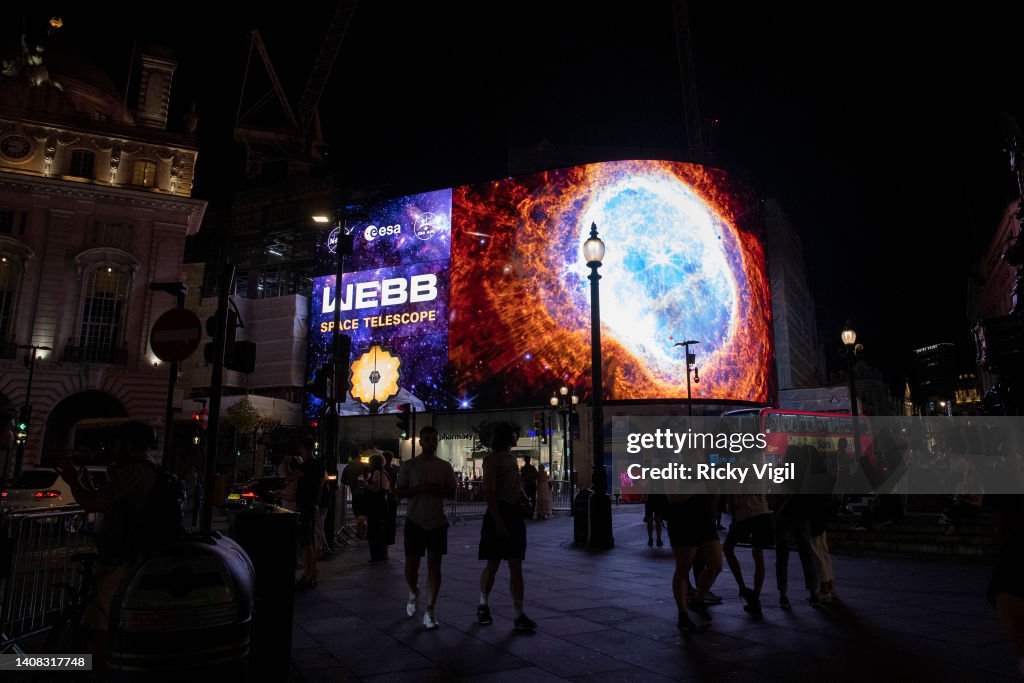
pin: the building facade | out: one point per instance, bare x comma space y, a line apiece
95, 204
799, 356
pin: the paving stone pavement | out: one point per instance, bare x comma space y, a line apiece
609, 616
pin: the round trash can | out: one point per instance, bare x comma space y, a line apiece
186, 609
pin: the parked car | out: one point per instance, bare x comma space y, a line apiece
263, 490
43, 489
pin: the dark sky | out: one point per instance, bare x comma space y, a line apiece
877, 127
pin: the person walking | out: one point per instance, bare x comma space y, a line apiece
792, 516
544, 498
426, 481
503, 534
123, 501
378, 491
655, 505
311, 477
750, 519
691, 532
529, 477
391, 466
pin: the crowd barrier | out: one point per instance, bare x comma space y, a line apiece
35, 564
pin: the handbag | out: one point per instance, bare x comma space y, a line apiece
525, 505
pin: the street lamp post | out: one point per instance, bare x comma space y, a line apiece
691, 365
850, 350
26, 408
596, 503
565, 404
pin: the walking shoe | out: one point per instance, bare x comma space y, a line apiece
701, 608
685, 623
712, 599
814, 600
429, 622
753, 608
660, 543
410, 606
524, 623
483, 615
650, 541
825, 597
784, 602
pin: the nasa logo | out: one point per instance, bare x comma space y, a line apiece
332, 241
425, 228
372, 232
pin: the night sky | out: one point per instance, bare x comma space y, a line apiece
880, 128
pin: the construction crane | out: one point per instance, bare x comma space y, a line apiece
297, 139
687, 74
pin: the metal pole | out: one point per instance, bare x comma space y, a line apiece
600, 483
854, 412
216, 392
168, 463
689, 401
19, 453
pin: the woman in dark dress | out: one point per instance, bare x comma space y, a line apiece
378, 486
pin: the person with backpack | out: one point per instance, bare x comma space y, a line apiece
138, 517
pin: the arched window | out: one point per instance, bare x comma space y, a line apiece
144, 173
105, 295
82, 163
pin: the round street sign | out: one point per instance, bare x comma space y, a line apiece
175, 335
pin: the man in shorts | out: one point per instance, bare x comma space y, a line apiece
751, 519
426, 481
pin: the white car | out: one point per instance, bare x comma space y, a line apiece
43, 488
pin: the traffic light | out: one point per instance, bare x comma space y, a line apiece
21, 425
239, 356
404, 413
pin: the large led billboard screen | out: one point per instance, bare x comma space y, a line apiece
478, 296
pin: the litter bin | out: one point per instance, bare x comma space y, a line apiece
268, 533
186, 609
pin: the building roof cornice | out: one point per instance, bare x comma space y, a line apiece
30, 184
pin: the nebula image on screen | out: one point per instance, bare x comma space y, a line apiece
684, 260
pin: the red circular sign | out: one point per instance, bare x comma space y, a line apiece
175, 335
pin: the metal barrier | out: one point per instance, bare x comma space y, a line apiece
469, 500
35, 559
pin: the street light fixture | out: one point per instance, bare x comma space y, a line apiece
850, 350
596, 528
565, 404
691, 364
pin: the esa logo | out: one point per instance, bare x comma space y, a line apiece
372, 232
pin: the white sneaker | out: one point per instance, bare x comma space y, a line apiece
410, 606
429, 622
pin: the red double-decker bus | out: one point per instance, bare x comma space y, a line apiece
784, 428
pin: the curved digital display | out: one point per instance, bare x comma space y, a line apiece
486, 300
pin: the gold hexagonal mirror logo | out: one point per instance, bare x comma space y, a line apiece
375, 375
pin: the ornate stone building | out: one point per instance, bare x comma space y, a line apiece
95, 204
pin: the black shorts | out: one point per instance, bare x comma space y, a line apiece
307, 520
419, 541
511, 548
691, 524
656, 505
757, 528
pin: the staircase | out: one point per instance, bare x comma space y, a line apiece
918, 536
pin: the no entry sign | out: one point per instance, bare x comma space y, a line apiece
175, 335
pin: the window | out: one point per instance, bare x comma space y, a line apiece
6, 222
112, 234
82, 162
104, 308
8, 291
144, 173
